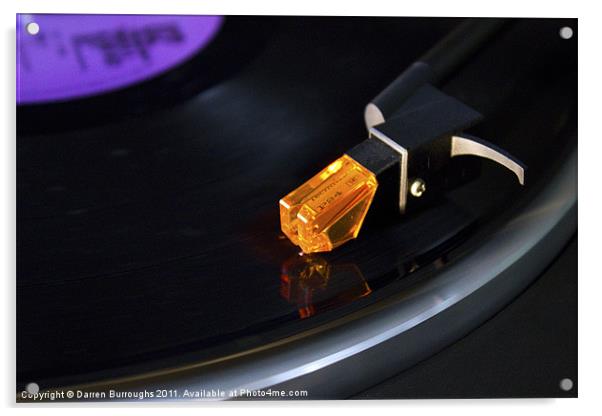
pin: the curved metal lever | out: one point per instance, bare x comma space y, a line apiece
461, 146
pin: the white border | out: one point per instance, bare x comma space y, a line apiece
590, 149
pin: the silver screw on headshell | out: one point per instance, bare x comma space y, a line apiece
418, 187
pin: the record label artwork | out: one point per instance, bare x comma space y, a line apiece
89, 54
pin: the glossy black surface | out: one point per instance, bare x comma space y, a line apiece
158, 235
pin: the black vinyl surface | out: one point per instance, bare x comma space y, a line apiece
155, 236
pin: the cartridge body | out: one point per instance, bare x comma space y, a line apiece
329, 209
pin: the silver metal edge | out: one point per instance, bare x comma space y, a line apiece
373, 116
403, 165
461, 146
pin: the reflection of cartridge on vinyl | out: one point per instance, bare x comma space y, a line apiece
314, 285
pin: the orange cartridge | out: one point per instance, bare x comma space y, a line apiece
416, 144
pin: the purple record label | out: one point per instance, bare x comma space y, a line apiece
75, 56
